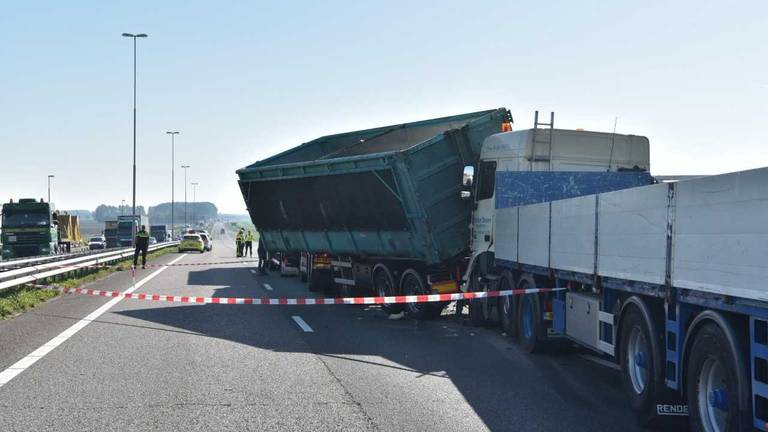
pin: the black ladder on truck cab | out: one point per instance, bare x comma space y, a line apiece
542, 136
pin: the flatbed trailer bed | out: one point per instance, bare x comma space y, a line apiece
667, 279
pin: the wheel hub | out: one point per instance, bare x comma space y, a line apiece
713, 395
640, 359
718, 398
637, 367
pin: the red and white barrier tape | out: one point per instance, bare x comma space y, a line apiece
310, 300
105, 265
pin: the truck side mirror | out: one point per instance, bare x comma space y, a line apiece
468, 177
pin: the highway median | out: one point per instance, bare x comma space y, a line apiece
18, 299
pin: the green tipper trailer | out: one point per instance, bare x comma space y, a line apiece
379, 195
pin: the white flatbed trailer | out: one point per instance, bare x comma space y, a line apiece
668, 280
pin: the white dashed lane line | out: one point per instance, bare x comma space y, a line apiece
268, 287
22, 365
304, 326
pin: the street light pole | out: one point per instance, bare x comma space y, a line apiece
194, 199
173, 179
133, 212
185, 194
122, 207
50, 176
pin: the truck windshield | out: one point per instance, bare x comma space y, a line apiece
125, 228
25, 219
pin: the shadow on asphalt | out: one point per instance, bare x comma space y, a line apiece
507, 388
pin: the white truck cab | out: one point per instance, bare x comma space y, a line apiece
541, 150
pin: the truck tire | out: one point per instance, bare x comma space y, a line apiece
319, 279
412, 283
507, 308
477, 316
384, 285
304, 275
713, 385
530, 327
638, 368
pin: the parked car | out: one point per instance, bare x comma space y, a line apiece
206, 241
192, 242
97, 242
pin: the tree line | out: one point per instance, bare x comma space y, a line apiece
159, 214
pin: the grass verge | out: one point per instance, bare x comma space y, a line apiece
18, 299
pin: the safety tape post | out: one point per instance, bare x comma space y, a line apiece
422, 298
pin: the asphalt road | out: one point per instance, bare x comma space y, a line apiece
158, 366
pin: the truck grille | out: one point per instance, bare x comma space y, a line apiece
26, 250
25, 237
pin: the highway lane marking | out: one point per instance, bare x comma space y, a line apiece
253, 271
268, 286
20, 366
304, 326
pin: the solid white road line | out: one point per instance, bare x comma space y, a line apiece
268, 286
304, 326
21, 365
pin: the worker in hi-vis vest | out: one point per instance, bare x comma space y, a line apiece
248, 244
142, 245
239, 243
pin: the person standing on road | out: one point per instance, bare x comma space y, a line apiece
239, 243
262, 253
248, 244
142, 245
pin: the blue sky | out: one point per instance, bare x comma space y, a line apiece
244, 80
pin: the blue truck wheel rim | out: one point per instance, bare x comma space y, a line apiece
528, 318
712, 397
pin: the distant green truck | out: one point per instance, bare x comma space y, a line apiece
28, 229
31, 228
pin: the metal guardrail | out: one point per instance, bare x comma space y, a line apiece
23, 262
34, 273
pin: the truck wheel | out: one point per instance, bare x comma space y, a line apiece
507, 306
304, 275
384, 285
413, 284
477, 316
319, 280
637, 364
712, 384
530, 328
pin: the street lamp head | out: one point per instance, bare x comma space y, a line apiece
141, 35
128, 35
185, 166
172, 132
51, 176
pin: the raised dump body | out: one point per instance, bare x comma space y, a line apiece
392, 191
69, 231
